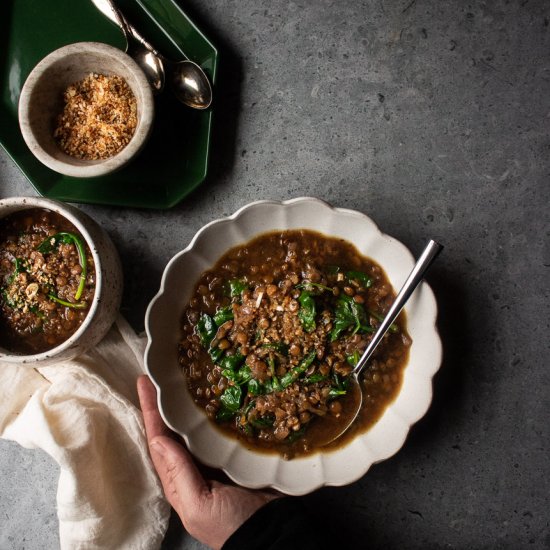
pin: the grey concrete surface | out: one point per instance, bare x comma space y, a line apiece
432, 117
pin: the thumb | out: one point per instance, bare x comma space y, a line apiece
181, 480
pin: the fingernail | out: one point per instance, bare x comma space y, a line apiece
158, 447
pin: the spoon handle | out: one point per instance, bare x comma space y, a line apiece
426, 259
112, 12
137, 36
108, 7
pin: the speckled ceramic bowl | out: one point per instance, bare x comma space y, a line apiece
108, 291
41, 101
243, 465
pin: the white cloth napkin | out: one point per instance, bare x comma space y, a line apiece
84, 414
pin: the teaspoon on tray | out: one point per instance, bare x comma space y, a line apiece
333, 427
189, 82
148, 62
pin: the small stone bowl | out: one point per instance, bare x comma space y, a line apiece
41, 101
108, 280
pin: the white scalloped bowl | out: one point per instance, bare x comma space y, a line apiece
251, 469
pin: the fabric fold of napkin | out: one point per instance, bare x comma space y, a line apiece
84, 413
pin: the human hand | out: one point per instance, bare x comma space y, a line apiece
209, 510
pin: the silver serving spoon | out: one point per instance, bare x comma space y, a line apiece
189, 82
332, 427
148, 62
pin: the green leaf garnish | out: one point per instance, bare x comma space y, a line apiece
334, 393
49, 244
293, 374
236, 287
353, 359
360, 277
275, 384
232, 362
206, 329
224, 415
294, 436
231, 398
307, 311
238, 377
393, 327
76, 305
260, 422
314, 379
223, 315
255, 387
349, 314
339, 387
19, 267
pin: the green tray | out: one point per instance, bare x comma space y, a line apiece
175, 159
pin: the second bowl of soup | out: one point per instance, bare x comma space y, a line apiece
60, 281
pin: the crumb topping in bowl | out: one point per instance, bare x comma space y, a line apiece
99, 117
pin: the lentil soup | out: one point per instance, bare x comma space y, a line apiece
47, 280
272, 332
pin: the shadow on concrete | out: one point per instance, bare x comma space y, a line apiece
226, 103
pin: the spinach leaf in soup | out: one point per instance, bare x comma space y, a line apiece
262, 421
238, 377
223, 315
339, 387
232, 362
353, 358
362, 278
230, 402
293, 374
236, 287
349, 314
307, 311
206, 329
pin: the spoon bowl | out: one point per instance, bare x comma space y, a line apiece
335, 426
190, 85
150, 64
321, 434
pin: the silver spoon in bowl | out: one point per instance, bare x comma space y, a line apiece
331, 428
189, 82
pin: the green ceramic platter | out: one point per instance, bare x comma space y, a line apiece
174, 161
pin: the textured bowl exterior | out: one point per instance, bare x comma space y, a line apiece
247, 467
42, 98
108, 294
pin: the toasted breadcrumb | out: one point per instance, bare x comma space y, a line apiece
99, 117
